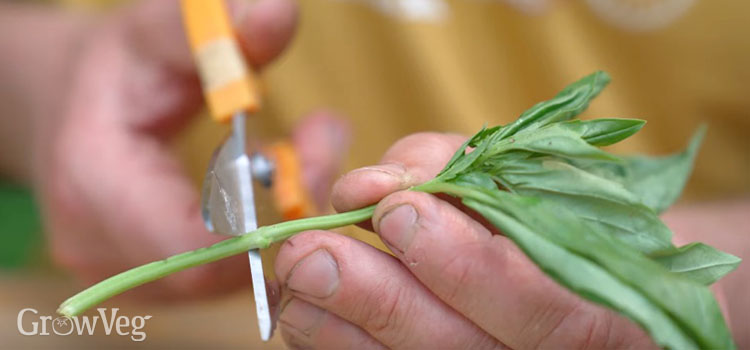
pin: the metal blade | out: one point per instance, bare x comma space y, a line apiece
261, 298
251, 224
228, 207
208, 188
226, 204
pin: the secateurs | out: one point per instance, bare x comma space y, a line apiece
228, 201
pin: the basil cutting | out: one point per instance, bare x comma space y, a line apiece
588, 219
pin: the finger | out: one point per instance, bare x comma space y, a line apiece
306, 326
264, 28
129, 183
157, 58
125, 181
410, 161
321, 140
374, 291
144, 203
489, 280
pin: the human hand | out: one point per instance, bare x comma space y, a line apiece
112, 193
454, 283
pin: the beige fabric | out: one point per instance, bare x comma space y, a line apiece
487, 62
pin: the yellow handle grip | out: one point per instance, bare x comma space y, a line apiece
228, 84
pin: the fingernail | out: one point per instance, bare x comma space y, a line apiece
274, 298
301, 316
316, 275
390, 170
296, 342
397, 226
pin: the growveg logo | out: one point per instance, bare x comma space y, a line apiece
31, 324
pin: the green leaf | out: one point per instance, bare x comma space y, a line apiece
656, 181
690, 305
555, 175
659, 181
452, 168
607, 205
461, 160
587, 279
476, 179
567, 104
555, 139
697, 261
605, 132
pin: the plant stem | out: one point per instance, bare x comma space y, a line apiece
260, 238
435, 186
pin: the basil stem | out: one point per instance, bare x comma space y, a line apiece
260, 238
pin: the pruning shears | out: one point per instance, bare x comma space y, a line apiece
231, 93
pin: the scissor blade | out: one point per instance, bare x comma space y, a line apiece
250, 224
261, 299
228, 207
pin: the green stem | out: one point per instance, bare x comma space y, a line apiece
260, 238
435, 186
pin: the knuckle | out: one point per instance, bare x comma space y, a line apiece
428, 138
483, 340
548, 325
307, 241
366, 342
458, 275
384, 311
423, 152
418, 200
296, 340
596, 329
304, 238
577, 327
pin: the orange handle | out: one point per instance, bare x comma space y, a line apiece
289, 191
229, 86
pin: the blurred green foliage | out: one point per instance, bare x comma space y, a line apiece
20, 227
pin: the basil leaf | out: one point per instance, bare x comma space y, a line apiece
587, 279
697, 261
555, 139
592, 222
659, 181
476, 179
554, 175
690, 305
452, 168
606, 205
567, 104
461, 160
608, 131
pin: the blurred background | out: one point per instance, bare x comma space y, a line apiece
394, 67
